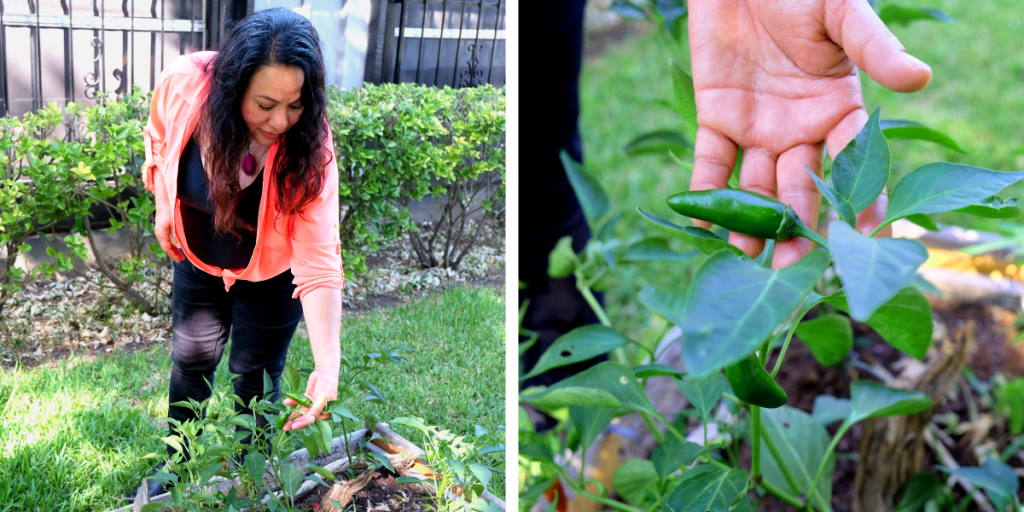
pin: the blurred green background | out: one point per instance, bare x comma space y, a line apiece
976, 96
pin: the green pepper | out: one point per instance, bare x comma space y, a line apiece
301, 399
744, 212
752, 384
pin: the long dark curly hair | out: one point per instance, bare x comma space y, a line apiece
264, 38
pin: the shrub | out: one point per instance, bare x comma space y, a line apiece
397, 143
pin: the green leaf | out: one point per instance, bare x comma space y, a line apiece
656, 370
659, 141
291, 479
829, 409
590, 422
994, 208
633, 478
802, 443
384, 461
655, 249
322, 472
829, 336
407, 480
924, 221
672, 454
669, 304
996, 477
1010, 403
904, 321
838, 202
325, 434
734, 304
873, 270
873, 400
605, 385
579, 344
704, 392
686, 99
861, 169
591, 195
900, 129
942, 186
711, 490
920, 489
174, 444
698, 238
765, 258
481, 472
562, 260
268, 383
896, 15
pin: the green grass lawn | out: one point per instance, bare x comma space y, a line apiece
976, 96
72, 437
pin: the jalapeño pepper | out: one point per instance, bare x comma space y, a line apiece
744, 212
752, 384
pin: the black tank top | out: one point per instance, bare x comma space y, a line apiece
197, 214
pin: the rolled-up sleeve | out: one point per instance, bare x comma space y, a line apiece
154, 133
316, 246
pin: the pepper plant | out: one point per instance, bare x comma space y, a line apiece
736, 316
214, 451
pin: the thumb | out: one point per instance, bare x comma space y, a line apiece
874, 49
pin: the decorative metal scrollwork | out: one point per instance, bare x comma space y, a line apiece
471, 76
92, 80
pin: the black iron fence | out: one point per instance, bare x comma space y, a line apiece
439, 42
75, 50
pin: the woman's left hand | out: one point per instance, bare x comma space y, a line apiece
321, 388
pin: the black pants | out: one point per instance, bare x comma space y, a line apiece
260, 317
548, 208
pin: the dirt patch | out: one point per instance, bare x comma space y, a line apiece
994, 352
382, 493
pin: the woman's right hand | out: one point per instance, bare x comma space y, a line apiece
164, 234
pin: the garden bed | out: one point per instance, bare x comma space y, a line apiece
381, 486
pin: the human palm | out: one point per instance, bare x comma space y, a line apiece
779, 78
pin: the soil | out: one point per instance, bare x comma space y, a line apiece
382, 494
994, 352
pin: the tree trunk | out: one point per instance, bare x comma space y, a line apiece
891, 449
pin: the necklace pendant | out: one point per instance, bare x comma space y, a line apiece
248, 163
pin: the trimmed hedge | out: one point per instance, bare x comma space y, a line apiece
394, 143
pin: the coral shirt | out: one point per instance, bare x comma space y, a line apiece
312, 249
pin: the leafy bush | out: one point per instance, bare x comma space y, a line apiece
45, 179
397, 143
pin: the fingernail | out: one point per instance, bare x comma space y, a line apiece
914, 61
312, 419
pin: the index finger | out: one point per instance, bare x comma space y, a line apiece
317, 408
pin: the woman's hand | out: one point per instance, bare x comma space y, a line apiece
162, 225
778, 78
321, 388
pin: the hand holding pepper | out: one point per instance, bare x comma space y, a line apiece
779, 78
320, 389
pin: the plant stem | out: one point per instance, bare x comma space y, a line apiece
670, 427
786, 472
785, 347
801, 229
755, 445
589, 297
600, 499
824, 460
659, 436
879, 228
